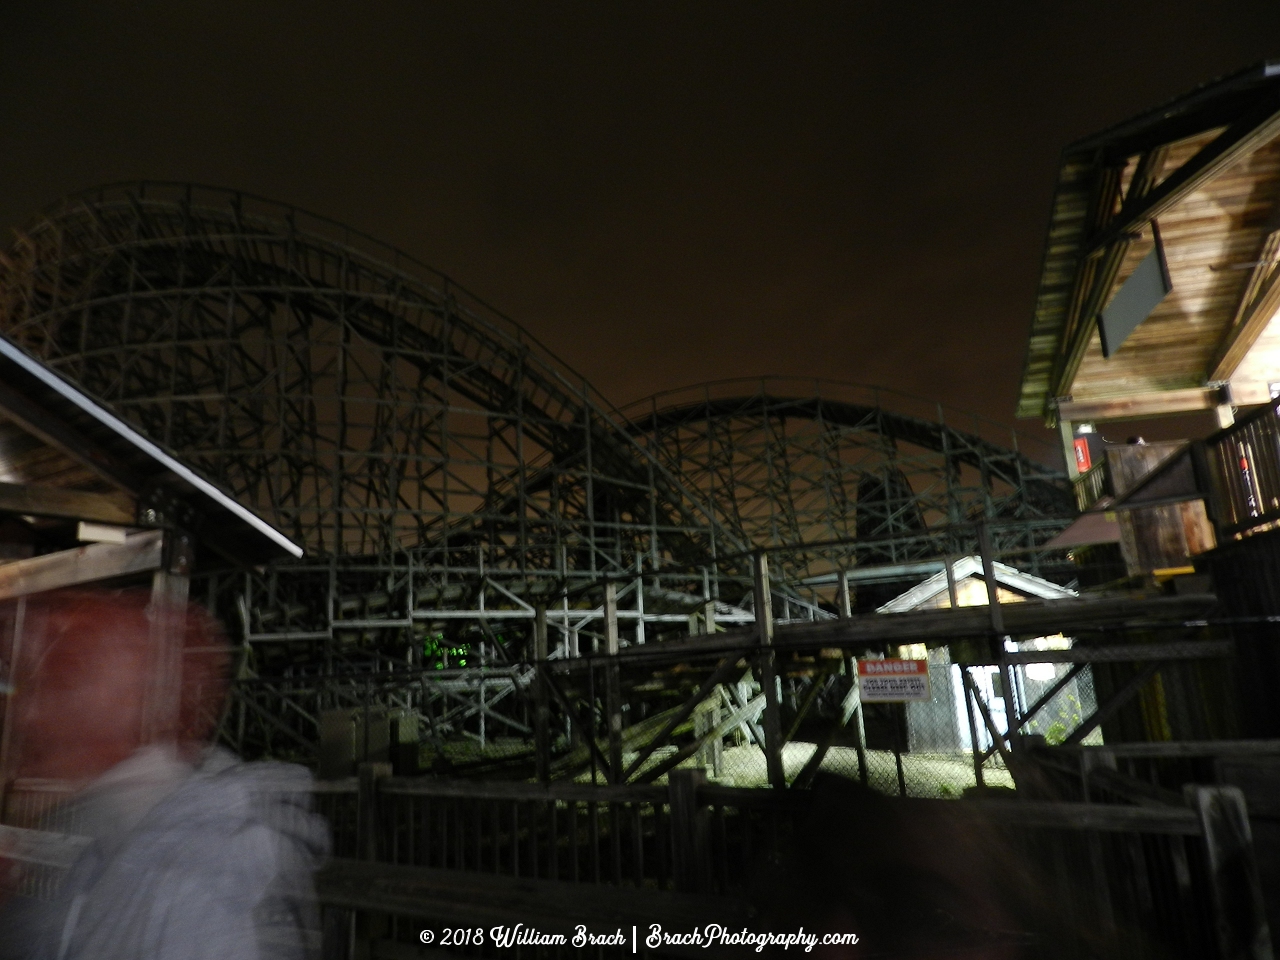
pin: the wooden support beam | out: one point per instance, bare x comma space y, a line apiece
979, 757
1239, 907
1251, 131
997, 738
68, 568
1252, 321
811, 766
1141, 406
369, 776
733, 699
690, 853
40, 501
1077, 325
723, 672
747, 711
768, 672
1096, 276
9, 715
809, 698
167, 616
1129, 653
542, 706
588, 735
1118, 700
1008, 679
1052, 692
58, 434
1102, 280
612, 682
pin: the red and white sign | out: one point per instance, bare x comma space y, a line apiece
1084, 462
883, 681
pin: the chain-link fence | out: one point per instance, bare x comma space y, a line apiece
922, 748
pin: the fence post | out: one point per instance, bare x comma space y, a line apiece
367, 808
1239, 911
612, 682
768, 673
542, 708
688, 831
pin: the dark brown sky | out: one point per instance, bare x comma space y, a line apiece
663, 193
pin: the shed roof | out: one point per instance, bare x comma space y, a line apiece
63, 453
1006, 576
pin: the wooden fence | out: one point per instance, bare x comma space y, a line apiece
1109, 879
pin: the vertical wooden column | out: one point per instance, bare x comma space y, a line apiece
639, 588
1066, 431
7, 760
167, 615
612, 682
1238, 906
1007, 677
368, 823
768, 673
542, 706
966, 688
689, 847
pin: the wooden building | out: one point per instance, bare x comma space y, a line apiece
87, 500
1190, 189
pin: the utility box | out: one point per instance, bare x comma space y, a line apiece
344, 742
403, 736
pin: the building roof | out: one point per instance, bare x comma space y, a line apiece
1200, 176
64, 454
1006, 576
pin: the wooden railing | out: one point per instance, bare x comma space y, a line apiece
1161, 878
1093, 485
1154, 880
1244, 467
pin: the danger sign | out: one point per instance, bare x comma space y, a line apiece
893, 680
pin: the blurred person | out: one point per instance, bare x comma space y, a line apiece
192, 852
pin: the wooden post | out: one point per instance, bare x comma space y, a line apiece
373, 926
1239, 910
768, 673
688, 831
542, 706
969, 707
639, 582
7, 761
1090, 760
612, 682
367, 823
1007, 677
167, 616
1067, 433
952, 596
846, 605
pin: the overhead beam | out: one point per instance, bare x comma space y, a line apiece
39, 501
1251, 131
1245, 333
68, 568
1123, 653
1141, 406
1096, 276
56, 432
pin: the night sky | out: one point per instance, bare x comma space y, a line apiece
663, 193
